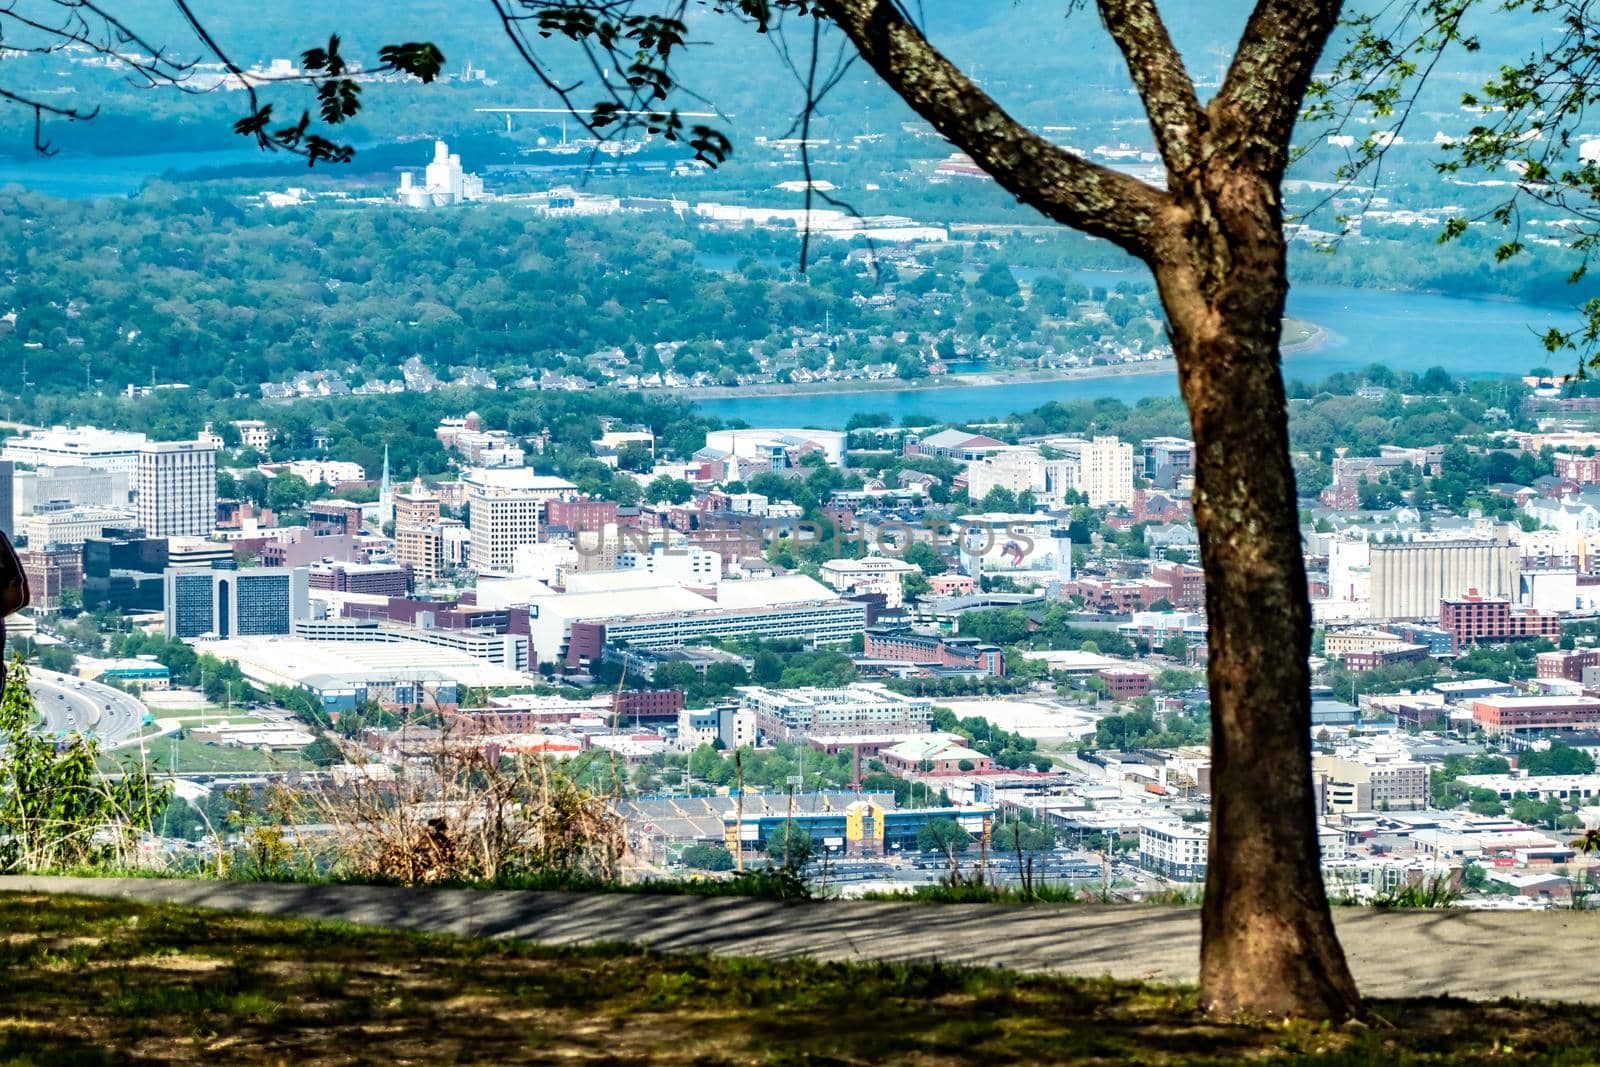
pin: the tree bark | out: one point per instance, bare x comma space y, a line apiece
1214, 240
1267, 940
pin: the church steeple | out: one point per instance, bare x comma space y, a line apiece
385, 494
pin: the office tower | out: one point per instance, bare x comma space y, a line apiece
264, 601
7, 497
177, 484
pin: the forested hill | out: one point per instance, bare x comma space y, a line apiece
1048, 66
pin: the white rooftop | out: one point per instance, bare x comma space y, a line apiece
515, 478
291, 660
771, 592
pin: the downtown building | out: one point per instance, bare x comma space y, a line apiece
225, 603
935, 653
1473, 618
124, 571
1105, 469
59, 446
1531, 714
177, 487
643, 612
853, 710
504, 512
8, 505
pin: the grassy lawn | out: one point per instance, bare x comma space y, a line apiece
196, 756
93, 981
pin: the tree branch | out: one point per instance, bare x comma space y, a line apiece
1167, 91
1254, 112
1067, 188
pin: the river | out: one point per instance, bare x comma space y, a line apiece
1403, 331
89, 177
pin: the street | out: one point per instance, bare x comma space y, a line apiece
71, 705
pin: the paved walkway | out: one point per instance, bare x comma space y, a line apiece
1549, 955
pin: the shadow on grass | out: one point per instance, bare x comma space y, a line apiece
107, 981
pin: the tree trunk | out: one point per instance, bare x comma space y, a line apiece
1268, 944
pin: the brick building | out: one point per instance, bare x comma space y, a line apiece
1372, 659
587, 515
1114, 596
1514, 714
933, 650
1473, 618
1573, 467
648, 704
380, 579
51, 572
1124, 684
1566, 664
325, 517
1187, 584
416, 507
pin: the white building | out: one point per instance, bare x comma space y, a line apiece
43, 487
734, 726
1350, 572
646, 612
998, 541
684, 564
863, 708
1564, 516
482, 448
1023, 470
545, 561
443, 182
1174, 850
780, 447
253, 433
83, 446
520, 480
1380, 778
500, 523
871, 574
1105, 470
177, 487
326, 471
504, 509
66, 527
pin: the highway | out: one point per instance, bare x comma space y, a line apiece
72, 705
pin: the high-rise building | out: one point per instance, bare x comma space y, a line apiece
51, 571
1105, 469
505, 508
124, 571
177, 485
7, 497
424, 549
264, 601
501, 522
